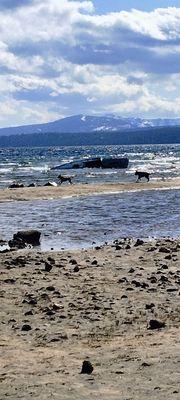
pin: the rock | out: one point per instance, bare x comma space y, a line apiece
94, 262
48, 267
131, 270
51, 184
87, 367
76, 268
32, 185
26, 328
16, 185
73, 261
27, 313
29, 237
127, 247
139, 242
164, 250
118, 247
155, 324
150, 306
50, 288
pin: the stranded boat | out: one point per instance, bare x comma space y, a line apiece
95, 163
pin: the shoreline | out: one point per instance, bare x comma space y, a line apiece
94, 304
75, 190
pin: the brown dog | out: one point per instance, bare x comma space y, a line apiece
65, 179
142, 175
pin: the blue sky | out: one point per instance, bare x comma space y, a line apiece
64, 57
104, 6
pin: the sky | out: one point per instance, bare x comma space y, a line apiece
61, 57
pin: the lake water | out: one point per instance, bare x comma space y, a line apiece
84, 221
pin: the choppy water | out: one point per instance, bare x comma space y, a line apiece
29, 165
78, 222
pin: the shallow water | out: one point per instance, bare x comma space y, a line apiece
81, 222
29, 165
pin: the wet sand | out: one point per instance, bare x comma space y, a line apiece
66, 190
95, 305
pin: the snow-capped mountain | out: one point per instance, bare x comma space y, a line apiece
86, 123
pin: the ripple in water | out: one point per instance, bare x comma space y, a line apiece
78, 222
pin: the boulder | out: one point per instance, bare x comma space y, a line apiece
29, 237
16, 185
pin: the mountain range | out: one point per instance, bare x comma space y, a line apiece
91, 130
87, 123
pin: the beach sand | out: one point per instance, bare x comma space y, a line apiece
94, 305
66, 190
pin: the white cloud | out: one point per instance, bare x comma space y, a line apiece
60, 55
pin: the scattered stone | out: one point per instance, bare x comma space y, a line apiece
131, 270
48, 266
26, 328
164, 250
50, 288
155, 324
150, 306
87, 367
32, 185
94, 262
76, 268
73, 261
139, 242
16, 185
10, 280
27, 313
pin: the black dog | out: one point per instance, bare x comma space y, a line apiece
142, 175
65, 179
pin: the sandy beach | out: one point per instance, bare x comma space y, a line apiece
49, 192
59, 309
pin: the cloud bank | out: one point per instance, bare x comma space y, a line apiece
59, 58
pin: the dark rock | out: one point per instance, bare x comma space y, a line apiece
26, 328
87, 367
29, 237
150, 306
164, 250
10, 280
118, 247
16, 185
48, 266
155, 324
94, 262
168, 257
27, 313
139, 242
163, 278
127, 247
136, 283
76, 268
32, 185
50, 288
131, 270
73, 261
51, 260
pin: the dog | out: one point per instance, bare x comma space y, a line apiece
142, 175
65, 179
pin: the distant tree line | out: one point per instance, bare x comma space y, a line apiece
156, 135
